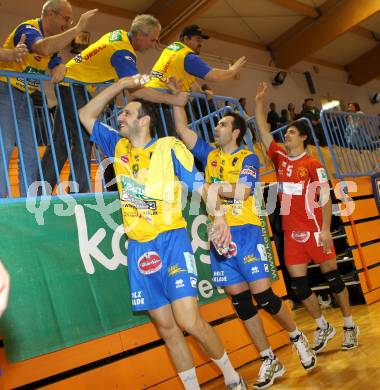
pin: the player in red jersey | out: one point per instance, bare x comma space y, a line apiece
306, 212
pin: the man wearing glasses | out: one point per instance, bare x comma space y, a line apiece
44, 37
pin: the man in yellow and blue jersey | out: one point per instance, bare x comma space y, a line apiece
44, 38
181, 60
161, 265
110, 58
243, 271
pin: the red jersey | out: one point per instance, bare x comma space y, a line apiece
299, 179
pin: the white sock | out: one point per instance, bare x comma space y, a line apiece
267, 353
296, 332
348, 322
189, 379
321, 322
229, 373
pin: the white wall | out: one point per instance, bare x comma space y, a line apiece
328, 82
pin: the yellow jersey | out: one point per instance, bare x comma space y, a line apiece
240, 166
108, 59
32, 62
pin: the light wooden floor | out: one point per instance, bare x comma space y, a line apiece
357, 369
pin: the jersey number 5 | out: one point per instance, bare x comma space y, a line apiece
289, 170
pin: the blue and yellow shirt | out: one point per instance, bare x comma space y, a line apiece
108, 59
179, 61
32, 62
239, 166
144, 218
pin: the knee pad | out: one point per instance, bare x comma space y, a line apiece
300, 287
243, 305
335, 281
269, 301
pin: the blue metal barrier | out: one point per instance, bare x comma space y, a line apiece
55, 134
353, 141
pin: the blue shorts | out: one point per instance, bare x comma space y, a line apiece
246, 260
161, 270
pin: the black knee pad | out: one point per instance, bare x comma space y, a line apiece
243, 305
269, 301
300, 287
335, 281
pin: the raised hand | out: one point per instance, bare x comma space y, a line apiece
85, 18
20, 51
238, 65
261, 91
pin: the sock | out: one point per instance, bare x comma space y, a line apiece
229, 373
321, 322
348, 322
267, 353
295, 333
189, 379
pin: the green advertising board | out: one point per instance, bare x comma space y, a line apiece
67, 261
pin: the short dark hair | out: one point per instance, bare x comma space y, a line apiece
238, 123
303, 129
308, 100
147, 109
356, 105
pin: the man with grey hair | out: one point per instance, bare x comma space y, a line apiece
112, 57
43, 37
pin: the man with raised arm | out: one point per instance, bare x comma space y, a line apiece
44, 38
306, 216
181, 60
108, 59
161, 265
244, 270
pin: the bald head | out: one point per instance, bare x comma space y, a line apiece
54, 5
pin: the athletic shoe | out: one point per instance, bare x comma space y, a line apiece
306, 354
270, 369
350, 338
241, 385
322, 336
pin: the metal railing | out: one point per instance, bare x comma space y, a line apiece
46, 140
353, 141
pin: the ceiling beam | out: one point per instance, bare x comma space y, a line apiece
324, 30
104, 8
298, 7
366, 67
235, 40
363, 32
196, 9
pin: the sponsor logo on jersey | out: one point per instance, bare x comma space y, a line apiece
250, 259
214, 163
302, 173
179, 283
175, 269
234, 161
193, 282
175, 46
255, 270
125, 159
38, 58
300, 237
94, 52
249, 170
232, 250
322, 175
78, 59
129, 58
137, 298
149, 263
116, 36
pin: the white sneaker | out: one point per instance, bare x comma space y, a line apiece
350, 338
241, 385
322, 336
270, 369
306, 354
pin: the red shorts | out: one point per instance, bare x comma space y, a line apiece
301, 248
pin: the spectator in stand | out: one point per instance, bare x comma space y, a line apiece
274, 120
243, 103
313, 114
284, 119
292, 116
355, 135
